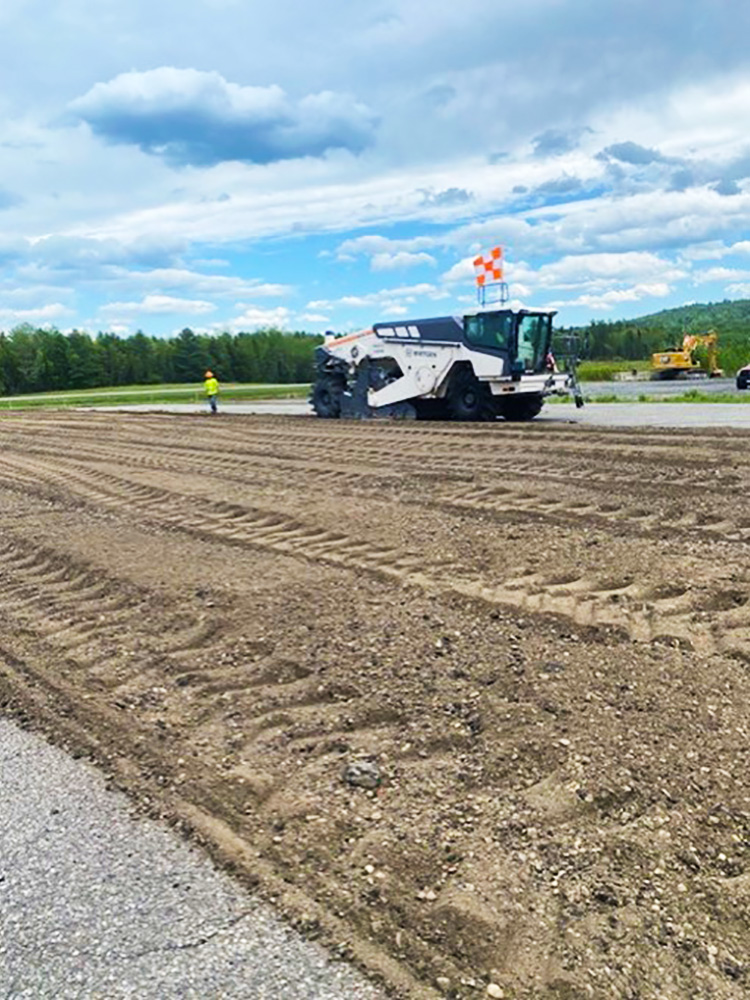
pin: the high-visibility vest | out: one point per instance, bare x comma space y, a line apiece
212, 386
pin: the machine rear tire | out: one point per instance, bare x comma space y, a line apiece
326, 396
520, 407
469, 399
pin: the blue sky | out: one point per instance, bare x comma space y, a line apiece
230, 164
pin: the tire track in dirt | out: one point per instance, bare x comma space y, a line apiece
236, 524
298, 448
638, 612
497, 443
87, 616
104, 630
519, 498
249, 454
505, 501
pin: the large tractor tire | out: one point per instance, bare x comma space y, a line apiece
524, 407
326, 396
468, 398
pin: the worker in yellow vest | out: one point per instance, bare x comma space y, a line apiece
211, 386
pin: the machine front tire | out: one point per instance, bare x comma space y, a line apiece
469, 399
326, 396
518, 408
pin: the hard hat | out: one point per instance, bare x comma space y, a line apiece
209, 375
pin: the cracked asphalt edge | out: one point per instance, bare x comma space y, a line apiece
96, 900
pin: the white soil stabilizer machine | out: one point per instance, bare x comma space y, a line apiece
488, 364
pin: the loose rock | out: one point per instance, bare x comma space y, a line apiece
362, 773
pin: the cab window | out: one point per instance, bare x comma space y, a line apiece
489, 330
533, 341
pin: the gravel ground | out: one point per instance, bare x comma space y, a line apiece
531, 639
97, 903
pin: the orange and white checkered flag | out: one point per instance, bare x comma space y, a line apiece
489, 267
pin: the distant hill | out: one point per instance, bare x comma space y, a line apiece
637, 339
731, 316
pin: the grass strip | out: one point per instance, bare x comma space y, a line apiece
111, 397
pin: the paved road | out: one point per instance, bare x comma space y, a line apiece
97, 904
679, 415
625, 389
633, 414
632, 390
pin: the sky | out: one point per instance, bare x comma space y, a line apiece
235, 164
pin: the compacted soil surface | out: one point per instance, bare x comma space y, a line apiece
470, 703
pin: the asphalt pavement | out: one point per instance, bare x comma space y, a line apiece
624, 414
98, 903
661, 389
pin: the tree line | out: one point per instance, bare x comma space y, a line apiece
637, 340
39, 360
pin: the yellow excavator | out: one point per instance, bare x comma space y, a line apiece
679, 362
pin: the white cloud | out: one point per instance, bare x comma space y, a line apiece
614, 297
157, 304
397, 261
596, 270
712, 250
461, 271
374, 245
393, 297
711, 274
47, 314
312, 317
254, 318
219, 285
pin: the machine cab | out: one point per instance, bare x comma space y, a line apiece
521, 338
